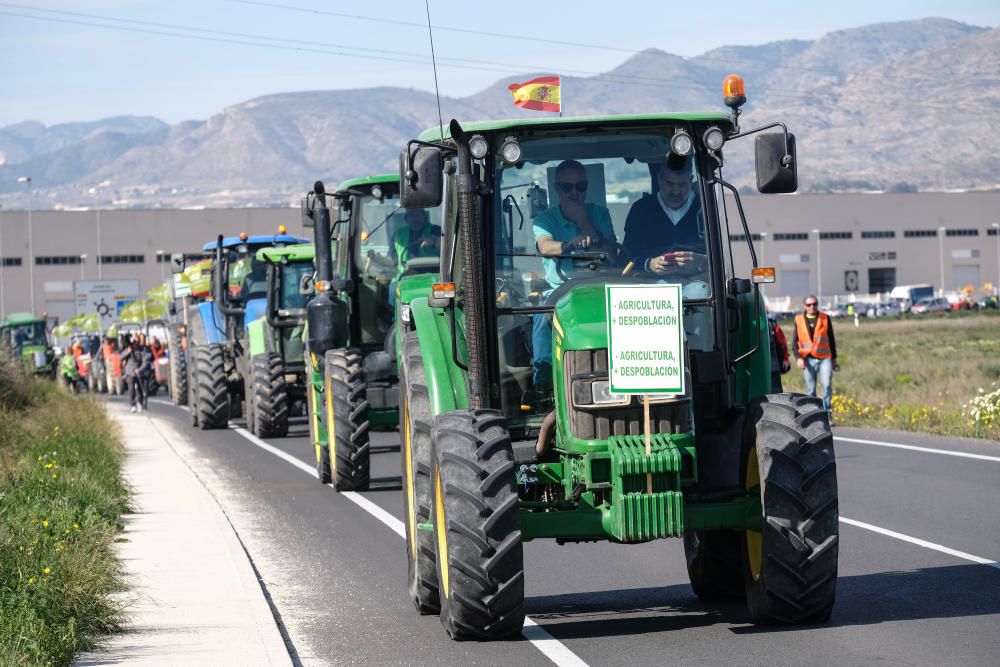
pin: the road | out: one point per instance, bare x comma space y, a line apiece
919, 583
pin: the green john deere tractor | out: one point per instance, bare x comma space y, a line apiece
276, 384
513, 428
23, 337
373, 260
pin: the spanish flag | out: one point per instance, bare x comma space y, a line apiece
541, 94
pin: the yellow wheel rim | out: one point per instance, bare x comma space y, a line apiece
408, 463
331, 442
441, 529
755, 540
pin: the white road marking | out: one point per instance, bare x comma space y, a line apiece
921, 543
552, 648
926, 450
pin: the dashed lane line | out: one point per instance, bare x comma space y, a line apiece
926, 450
551, 647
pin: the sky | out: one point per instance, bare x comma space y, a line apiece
173, 61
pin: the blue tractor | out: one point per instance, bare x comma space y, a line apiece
217, 339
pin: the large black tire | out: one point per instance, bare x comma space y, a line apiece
415, 435
715, 564
212, 403
477, 529
790, 568
347, 419
267, 406
178, 369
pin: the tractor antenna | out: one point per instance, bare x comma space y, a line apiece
437, 92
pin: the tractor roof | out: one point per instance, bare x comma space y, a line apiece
267, 240
513, 124
369, 180
16, 319
300, 252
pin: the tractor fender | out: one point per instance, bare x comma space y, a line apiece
210, 322
445, 380
255, 310
256, 337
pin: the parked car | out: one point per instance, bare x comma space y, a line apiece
836, 311
886, 309
931, 305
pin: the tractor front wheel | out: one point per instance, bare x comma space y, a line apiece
212, 403
415, 431
178, 369
477, 530
267, 404
714, 564
790, 566
347, 420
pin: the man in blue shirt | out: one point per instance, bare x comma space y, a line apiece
574, 224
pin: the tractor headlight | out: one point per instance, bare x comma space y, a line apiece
597, 393
404, 313
681, 143
478, 147
510, 151
713, 138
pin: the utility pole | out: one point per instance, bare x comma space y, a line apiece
819, 269
941, 255
31, 247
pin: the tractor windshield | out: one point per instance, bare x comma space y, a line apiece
247, 276
595, 208
290, 296
391, 236
28, 334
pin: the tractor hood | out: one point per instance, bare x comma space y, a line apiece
581, 318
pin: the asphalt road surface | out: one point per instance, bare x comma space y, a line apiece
919, 580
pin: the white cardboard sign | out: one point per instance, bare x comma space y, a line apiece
645, 339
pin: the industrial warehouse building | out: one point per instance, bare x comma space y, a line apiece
843, 244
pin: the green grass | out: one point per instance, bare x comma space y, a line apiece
61, 501
913, 373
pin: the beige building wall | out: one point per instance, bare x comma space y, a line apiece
918, 259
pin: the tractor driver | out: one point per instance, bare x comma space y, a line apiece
665, 233
417, 238
575, 224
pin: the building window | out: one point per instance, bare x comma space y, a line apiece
165, 257
881, 280
992, 231
12, 261
48, 260
961, 232
795, 236
743, 237
834, 236
917, 233
878, 235
882, 256
123, 259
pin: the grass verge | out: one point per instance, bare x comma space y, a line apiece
930, 374
61, 501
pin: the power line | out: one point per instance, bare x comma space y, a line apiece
381, 54
525, 38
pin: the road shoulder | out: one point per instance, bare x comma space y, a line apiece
194, 598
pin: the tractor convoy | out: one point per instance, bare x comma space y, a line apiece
469, 300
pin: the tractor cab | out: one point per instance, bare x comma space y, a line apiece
25, 337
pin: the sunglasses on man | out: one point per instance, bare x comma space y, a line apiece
579, 186
811, 304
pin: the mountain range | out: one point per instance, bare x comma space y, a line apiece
893, 106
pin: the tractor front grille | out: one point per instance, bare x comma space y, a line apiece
600, 423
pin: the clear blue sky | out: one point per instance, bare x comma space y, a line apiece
57, 70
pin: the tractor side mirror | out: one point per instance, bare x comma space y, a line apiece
307, 219
421, 176
539, 201
307, 284
777, 170
177, 262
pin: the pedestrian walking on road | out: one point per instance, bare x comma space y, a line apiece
130, 363
145, 372
815, 349
779, 354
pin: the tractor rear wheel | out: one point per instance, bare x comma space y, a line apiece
790, 567
267, 405
347, 420
212, 403
178, 369
415, 434
714, 564
477, 531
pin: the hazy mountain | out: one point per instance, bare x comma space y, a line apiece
894, 105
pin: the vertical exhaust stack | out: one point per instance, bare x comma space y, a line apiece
319, 311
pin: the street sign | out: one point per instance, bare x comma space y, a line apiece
106, 298
645, 339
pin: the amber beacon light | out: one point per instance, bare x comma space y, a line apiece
734, 92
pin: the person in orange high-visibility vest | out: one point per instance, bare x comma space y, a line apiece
815, 348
